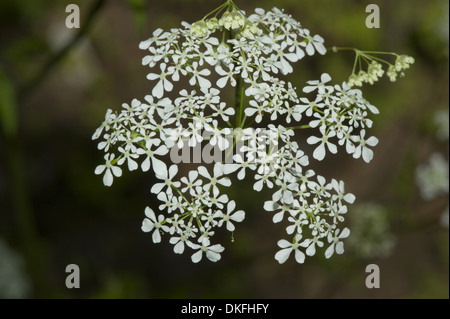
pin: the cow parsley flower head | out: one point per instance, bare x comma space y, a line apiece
252, 136
433, 181
433, 177
371, 236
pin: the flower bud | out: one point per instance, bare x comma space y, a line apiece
232, 20
199, 29
212, 24
392, 73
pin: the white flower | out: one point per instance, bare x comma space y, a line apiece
244, 67
176, 71
298, 160
220, 110
282, 57
319, 152
322, 119
230, 168
144, 45
258, 108
167, 203
110, 139
151, 223
297, 224
212, 252
179, 243
158, 166
433, 176
192, 182
297, 47
263, 179
308, 106
163, 84
199, 76
346, 138
339, 188
215, 179
109, 170
319, 85
286, 187
195, 133
126, 155
214, 200
336, 244
227, 218
311, 250
109, 116
225, 55
167, 176
218, 135
362, 149
287, 248
315, 43
321, 189
226, 75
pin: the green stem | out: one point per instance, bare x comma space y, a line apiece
380, 60
378, 52
336, 49
238, 98
232, 148
241, 106
180, 193
300, 127
218, 9
243, 120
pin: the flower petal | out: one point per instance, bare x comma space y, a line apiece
319, 152
283, 255
108, 178
147, 225
197, 256
299, 256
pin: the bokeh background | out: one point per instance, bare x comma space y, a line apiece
56, 84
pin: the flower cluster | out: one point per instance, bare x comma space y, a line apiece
433, 177
249, 55
342, 113
374, 65
371, 236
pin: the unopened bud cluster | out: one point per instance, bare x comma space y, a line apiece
375, 69
402, 63
230, 20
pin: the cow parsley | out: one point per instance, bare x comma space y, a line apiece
251, 136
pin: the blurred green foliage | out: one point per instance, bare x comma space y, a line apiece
8, 108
